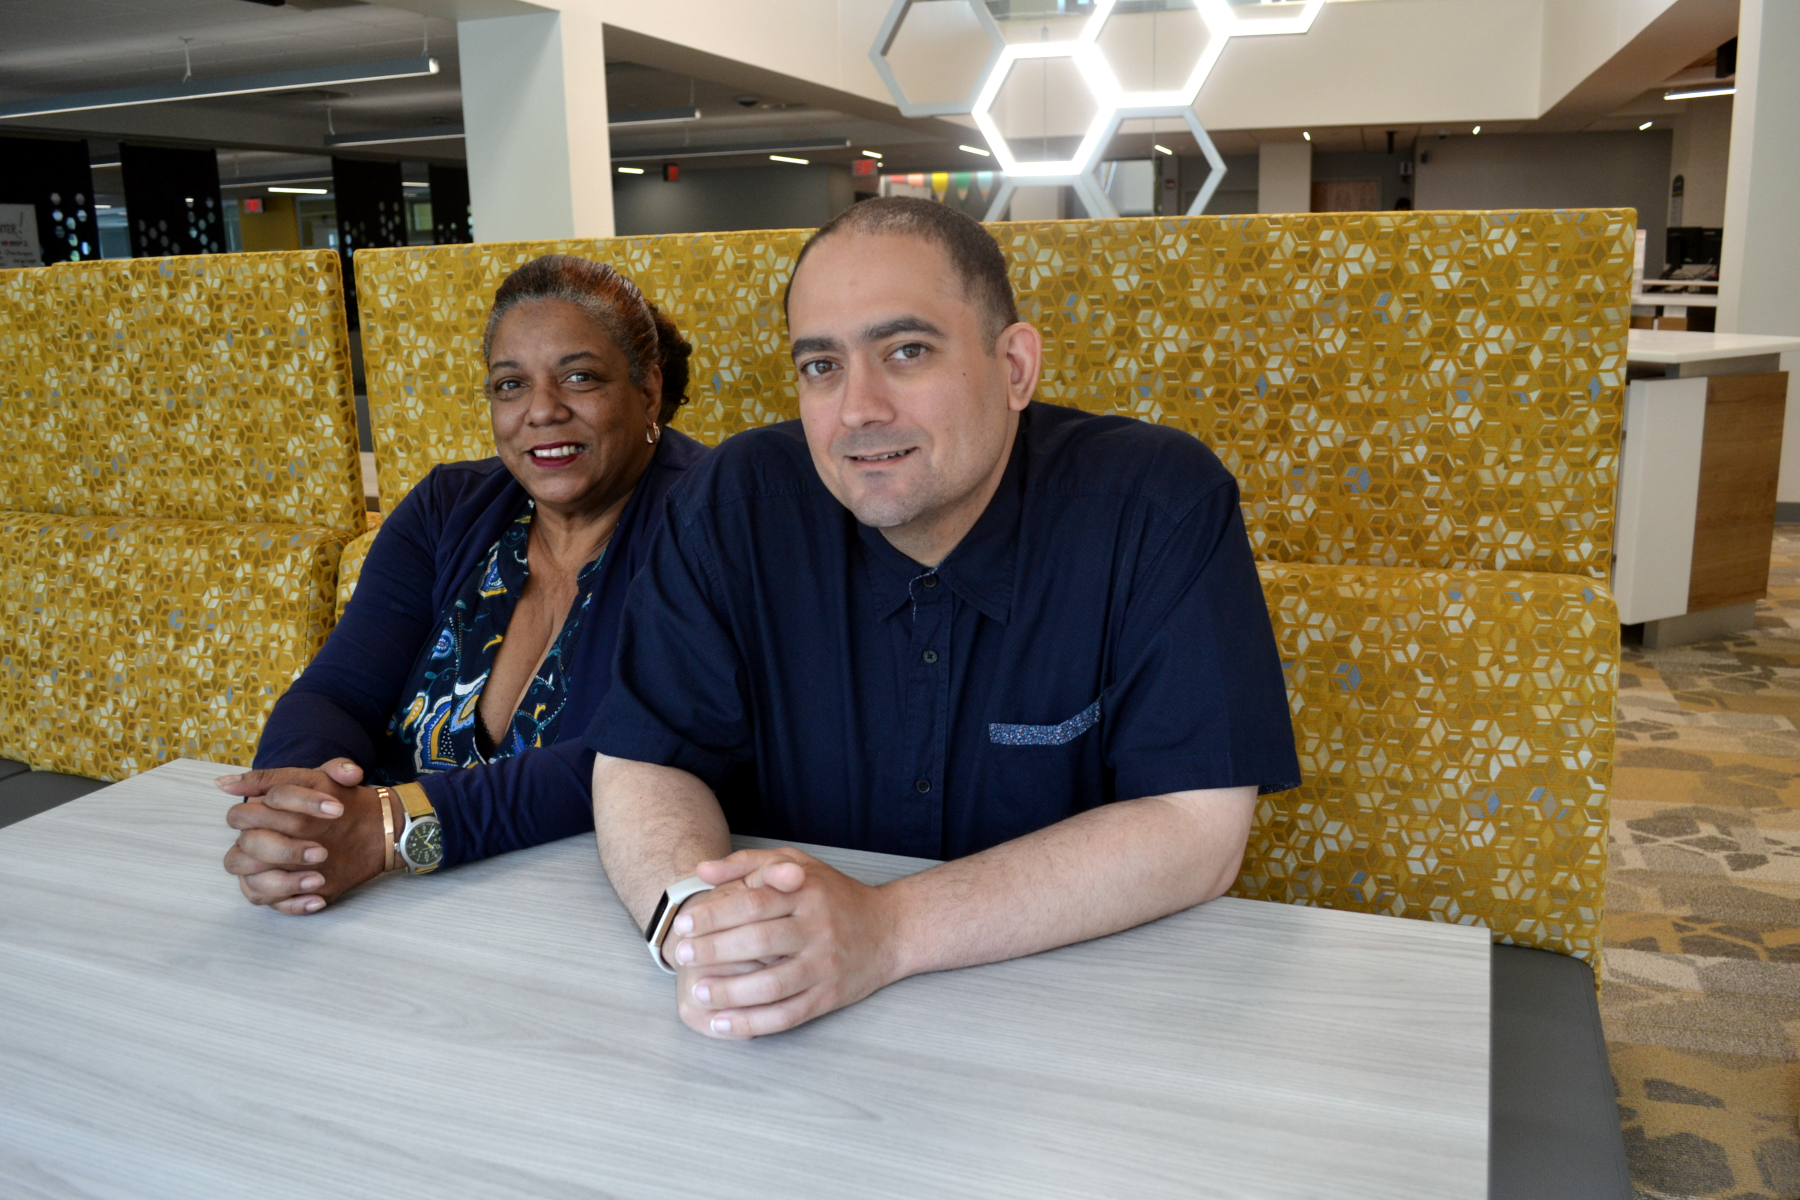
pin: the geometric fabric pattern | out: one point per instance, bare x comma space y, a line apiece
1391, 389
350, 569
211, 388
129, 642
1455, 732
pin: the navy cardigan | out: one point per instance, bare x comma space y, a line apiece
342, 703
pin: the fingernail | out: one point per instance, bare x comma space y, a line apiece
313, 881
702, 993
721, 1025
332, 808
228, 779
314, 854
313, 905
684, 953
684, 924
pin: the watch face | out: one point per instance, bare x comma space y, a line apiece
424, 845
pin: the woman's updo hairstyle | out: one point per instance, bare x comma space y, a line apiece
643, 334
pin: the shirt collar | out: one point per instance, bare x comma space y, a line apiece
980, 569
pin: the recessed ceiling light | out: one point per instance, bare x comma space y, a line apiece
975, 150
1306, 135
1645, 125
784, 158
1475, 130
871, 154
631, 170
1700, 92
294, 191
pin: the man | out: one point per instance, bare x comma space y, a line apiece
931, 618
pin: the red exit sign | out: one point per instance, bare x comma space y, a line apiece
863, 166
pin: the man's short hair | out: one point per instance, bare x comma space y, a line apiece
971, 249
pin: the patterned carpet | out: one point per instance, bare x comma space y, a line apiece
1702, 961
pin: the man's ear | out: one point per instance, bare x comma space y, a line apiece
1020, 348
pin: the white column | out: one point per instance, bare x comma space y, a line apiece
534, 115
1284, 177
1759, 277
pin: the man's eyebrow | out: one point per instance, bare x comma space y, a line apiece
888, 329
815, 345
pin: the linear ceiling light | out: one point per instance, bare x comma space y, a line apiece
631, 170
409, 183
389, 137
1305, 134
784, 158
235, 85
1700, 92
1474, 131
294, 191
1162, 149
652, 116
715, 150
1645, 125
975, 150
876, 154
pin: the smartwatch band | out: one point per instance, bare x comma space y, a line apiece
664, 917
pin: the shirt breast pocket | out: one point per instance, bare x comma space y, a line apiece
1060, 734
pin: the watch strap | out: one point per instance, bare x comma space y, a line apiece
414, 800
672, 899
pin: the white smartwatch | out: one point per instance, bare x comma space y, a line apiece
664, 917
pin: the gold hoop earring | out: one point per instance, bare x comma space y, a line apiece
653, 435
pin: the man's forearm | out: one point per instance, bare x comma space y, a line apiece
653, 825
1102, 871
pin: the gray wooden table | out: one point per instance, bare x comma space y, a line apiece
498, 1030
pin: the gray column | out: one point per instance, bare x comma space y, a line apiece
1284, 177
534, 108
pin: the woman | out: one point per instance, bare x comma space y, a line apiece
480, 637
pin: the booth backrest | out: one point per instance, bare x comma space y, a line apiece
1391, 389
179, 478
210, 388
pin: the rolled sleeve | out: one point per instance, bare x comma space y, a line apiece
679, 695
1199, 701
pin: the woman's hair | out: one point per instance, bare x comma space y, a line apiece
644, 334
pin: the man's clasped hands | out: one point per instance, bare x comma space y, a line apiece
781, 939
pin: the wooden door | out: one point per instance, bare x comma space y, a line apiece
1346, 195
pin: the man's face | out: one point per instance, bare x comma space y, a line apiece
908, 411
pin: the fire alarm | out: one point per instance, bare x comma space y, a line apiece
253, 205
671, 172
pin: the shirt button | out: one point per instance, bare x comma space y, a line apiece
924, 785
931, 656
930, 581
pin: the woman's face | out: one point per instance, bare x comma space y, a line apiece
568, 422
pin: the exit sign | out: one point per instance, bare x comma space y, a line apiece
863, 166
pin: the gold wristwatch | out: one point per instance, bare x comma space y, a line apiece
420, 846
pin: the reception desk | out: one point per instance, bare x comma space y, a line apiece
1697, 480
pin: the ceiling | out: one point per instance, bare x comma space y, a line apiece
51, 47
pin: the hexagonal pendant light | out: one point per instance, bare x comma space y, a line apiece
1117, 103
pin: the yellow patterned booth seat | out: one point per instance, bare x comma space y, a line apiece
1391, 389
179, 479
1423, 410
1455, 731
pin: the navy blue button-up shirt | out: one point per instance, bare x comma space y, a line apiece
1099, 634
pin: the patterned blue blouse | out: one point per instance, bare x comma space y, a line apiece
437, 724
